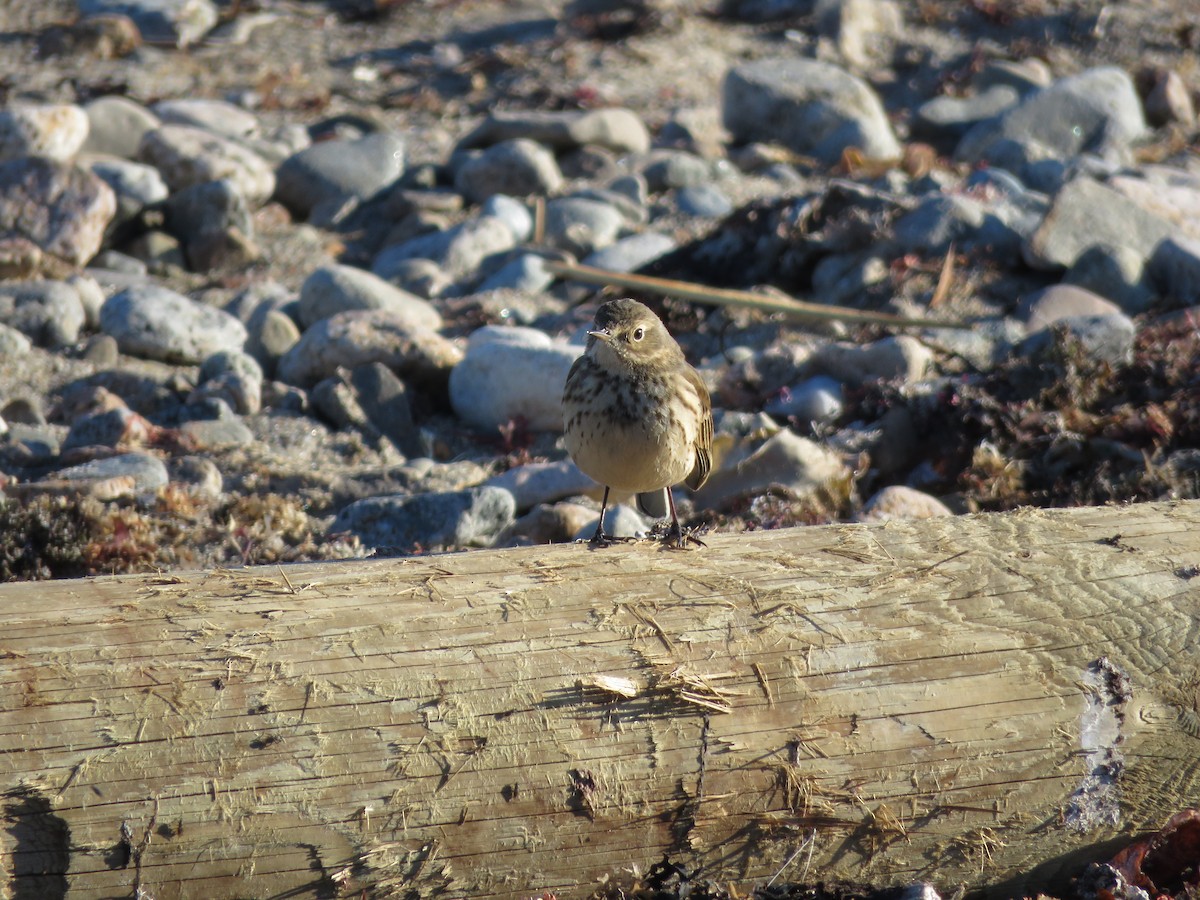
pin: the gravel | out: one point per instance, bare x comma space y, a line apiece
313, 293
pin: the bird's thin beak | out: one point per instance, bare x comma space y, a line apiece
602, 335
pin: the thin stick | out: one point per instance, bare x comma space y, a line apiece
810, 842
789, 306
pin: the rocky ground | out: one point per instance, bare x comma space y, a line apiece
276, 285
277, 288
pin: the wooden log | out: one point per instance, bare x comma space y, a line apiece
976, 700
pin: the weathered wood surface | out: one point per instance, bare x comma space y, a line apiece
911, 701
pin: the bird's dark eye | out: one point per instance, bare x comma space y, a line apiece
639, 333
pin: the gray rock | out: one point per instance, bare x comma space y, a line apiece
119, 427
947, 119
632, 212
216, 116
384, 400
116, 126
902, 358
1023, 75
459, 251
818, 399
667, 169
1113, 272
938, 221
208, 219
136, 185
1085, 214
50, 313
91, 297
513, 213
518, 168
631, 253
24, 410
617, 129
899, 502
703, 201
1165, 191
784, 461
525, 273
1043, 308
53, 131
811, 107
632, 187
114, 270
404, 201
1175, 268
512, 374
409, 524
697, 129
234, 377
198, 475
156, 323
842, 277
1095, 111
272, 333
372, 400
1104, 332
1169, 100
187, 156
860, 30
332, 172
551, 524
1104, 338
217, 434
335, 288
102, 351
179, 22
542, 482
33, 445
61, 208
581, 226
422, 277
148, 472
13, 343
360, 337
985, 346
158, 249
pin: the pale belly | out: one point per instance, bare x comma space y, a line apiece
643, 456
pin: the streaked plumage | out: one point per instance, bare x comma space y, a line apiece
637, 417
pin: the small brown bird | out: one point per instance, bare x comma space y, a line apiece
637, 417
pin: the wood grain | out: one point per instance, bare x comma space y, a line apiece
978, 700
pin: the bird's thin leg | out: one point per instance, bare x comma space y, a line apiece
674, 533
600, 539
675, 538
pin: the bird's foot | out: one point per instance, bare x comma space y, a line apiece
602, 539
676, 537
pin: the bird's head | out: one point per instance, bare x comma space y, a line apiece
630, 333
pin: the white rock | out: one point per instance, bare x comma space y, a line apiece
54, 131
217, 116
900, 502
543, 482
811, 107
784, 461
518, 375
901, 357
335, 288
186, 156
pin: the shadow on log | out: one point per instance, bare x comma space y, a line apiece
963, 700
